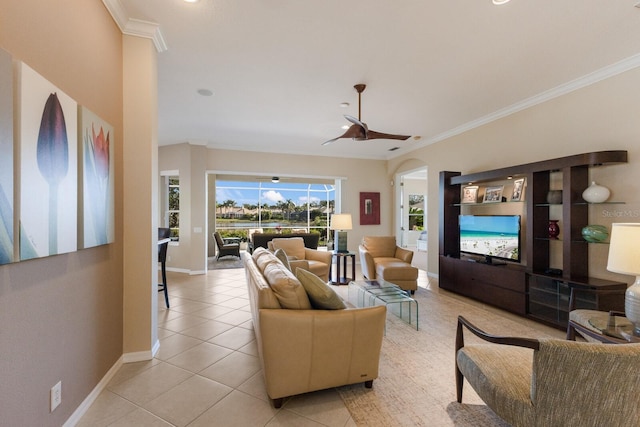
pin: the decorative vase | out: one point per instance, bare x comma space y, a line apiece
554, 229
632, 305
595, 233
554, 197
596, 193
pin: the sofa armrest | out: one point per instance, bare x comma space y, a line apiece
404, 254
307, 350
321, 256
367, 263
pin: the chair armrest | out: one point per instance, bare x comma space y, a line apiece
298, 263
515, 341
367, 263
404, 254
321, 256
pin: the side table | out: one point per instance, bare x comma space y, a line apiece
343, 280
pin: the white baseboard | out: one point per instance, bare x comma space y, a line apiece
141, 356
88, 401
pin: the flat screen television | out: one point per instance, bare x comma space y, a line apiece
491, 236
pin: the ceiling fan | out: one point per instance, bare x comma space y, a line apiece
359, 131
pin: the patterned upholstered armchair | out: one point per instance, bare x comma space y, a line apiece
551, 382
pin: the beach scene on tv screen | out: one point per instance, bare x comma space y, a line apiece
494, 236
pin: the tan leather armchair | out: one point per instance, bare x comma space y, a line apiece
317, 262
551, 382
381, 258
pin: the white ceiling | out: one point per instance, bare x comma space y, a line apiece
279, 69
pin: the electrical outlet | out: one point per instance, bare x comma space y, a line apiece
56, 395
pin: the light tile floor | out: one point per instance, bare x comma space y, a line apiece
207, 371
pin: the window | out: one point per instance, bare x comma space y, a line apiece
416, 212
283, 207
172, 206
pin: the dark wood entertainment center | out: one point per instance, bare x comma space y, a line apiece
529, 288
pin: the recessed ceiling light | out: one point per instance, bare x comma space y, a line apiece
499, 2
344, 104
204, 92
191, 1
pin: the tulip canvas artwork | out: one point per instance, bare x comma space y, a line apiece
6, 158
96, 161
48, 167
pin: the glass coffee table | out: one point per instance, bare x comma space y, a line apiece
367, 293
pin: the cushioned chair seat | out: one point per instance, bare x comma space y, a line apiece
506, 386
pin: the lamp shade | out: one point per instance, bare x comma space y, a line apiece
624, 249
341, 222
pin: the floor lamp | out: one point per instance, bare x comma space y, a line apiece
340, 223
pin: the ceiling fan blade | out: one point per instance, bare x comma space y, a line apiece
362, 125
379, 135
331, 141
354, 132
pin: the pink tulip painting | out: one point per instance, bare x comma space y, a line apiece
97, 158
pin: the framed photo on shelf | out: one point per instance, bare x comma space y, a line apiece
493, 194
470, 194
518, 190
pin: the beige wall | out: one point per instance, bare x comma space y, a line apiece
360, 176
603, 116
61, 316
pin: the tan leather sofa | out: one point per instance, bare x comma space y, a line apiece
304, 350
317, 262
381, 258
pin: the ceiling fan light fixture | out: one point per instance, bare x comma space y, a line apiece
275, 179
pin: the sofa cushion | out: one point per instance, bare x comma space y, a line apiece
380, 246
293, 246
319, 293
287, 288
282, 256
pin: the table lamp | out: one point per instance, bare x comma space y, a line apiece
340, 223
624, 258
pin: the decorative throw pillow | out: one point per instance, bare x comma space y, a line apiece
282, 256
319, 293
286, 286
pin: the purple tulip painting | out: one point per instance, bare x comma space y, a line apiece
53, 159
48, 167
97, 180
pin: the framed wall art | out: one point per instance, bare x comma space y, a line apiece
369, 208
48, 167
6, 159
95, 138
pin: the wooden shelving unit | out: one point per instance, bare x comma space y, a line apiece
528, 289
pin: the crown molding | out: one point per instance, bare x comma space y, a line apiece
573, 85
135, 27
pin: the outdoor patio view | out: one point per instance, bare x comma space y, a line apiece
284, 207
